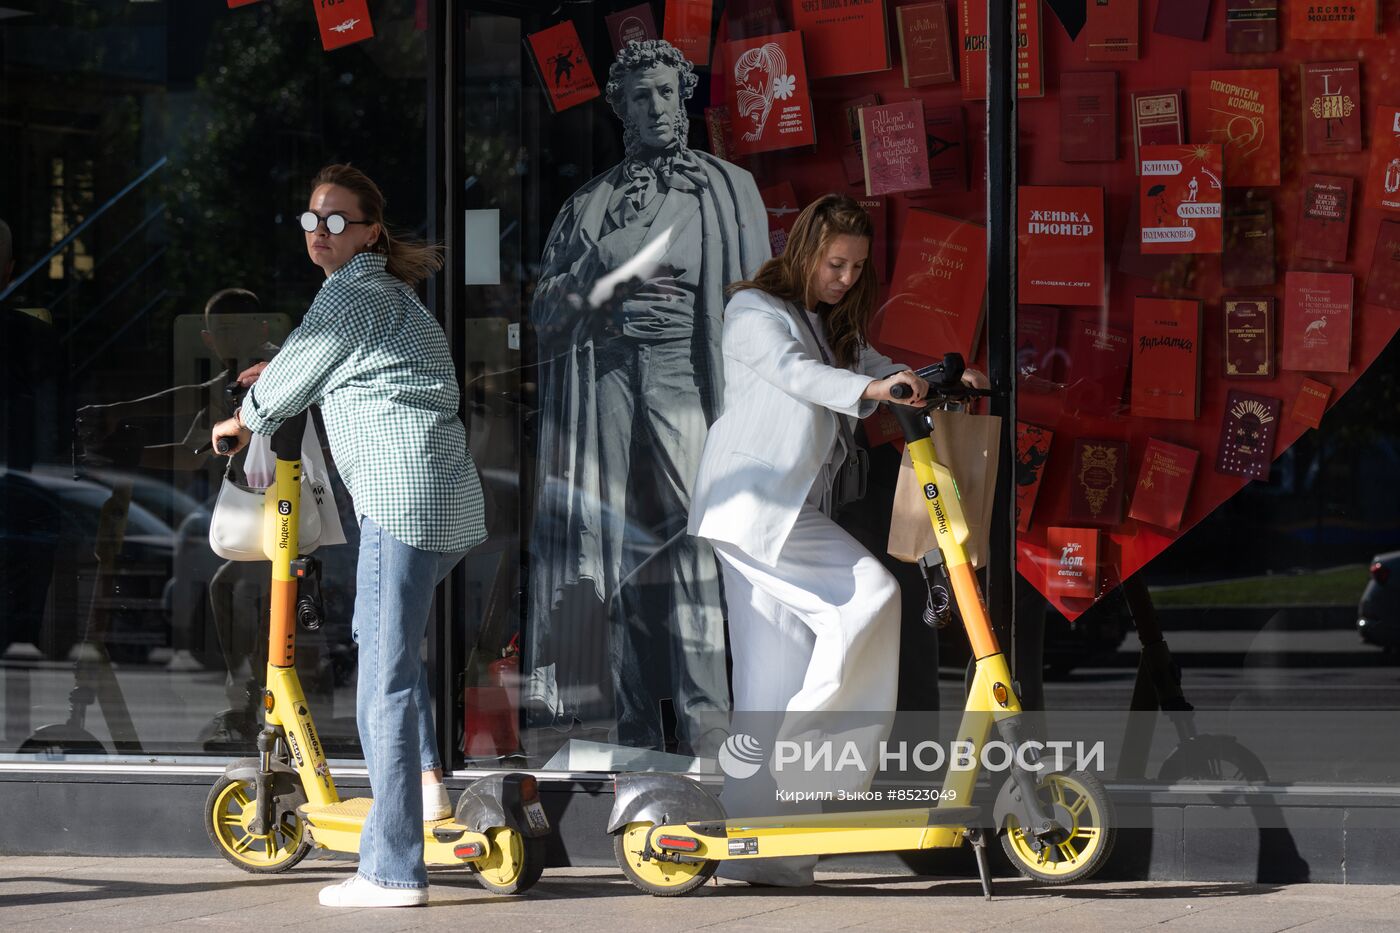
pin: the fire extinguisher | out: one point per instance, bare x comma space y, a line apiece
493, 708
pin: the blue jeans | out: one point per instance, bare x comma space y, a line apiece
393, 599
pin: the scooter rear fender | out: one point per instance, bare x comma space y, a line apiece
494, 801
653, 797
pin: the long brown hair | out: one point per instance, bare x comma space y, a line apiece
409, 260
790, 276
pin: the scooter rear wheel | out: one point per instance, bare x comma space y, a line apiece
514, 863
659, 879
228, 811
1079, 802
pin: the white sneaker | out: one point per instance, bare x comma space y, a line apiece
436, 806
356, 891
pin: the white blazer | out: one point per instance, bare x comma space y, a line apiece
778, 424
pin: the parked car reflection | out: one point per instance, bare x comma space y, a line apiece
1378, 615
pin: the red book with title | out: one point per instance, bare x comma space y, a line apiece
946, 132
1037, 332
1072, 562
1098, 356
1248, 429
1089, 116
842, 37
1248, 260
972, 57
1182, 196
769, 99
1331, 107
894, 146
562, 67
1097, 485
1032, 452
1249, 338
940, 280
1317, 309
1310, 404
1159, 119
1239, 110
1382, 188
1163, 484
1348, 19
1166, 368
1111, 30
1251, 26
1060, 237
687, 25
1030, 50
634, 24
1324, 223
926, 44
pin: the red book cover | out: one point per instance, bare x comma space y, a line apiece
634, 24
1249, 338
1072, 566
1030, 51
1324, 224
925, 44
720, 129
768, 96
972, 38
1163, 484
1249, 243
1352, 19
1251, 26
851, 108
842, 37
1111, 30
878, 209
780, 201
1239, 111
1310, 404
1032, 451
1317, 321
1098, 358
1159, 119
686, 24
1383, 282
1089, 116
755, 18
1331, 107
1185, 19
1247, 433
343, 24
947, 149
1166, 364
1181, 199
972, 48
940, 279
1097, 484
1383, 181
1060, 236
1037, 336
562, 67
894, 147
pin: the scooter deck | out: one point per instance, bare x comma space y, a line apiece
337, 827
865, 819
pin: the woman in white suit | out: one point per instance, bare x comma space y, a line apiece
813, 616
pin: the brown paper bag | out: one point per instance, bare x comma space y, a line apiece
968, 445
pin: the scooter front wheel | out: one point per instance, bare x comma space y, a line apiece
228, 813
660, 879
1078, 801
514, 863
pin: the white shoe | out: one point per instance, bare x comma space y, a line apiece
436, 806
356, 891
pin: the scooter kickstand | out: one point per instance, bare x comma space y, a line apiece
978, 838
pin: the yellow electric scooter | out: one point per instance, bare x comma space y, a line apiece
265, 813
670, 833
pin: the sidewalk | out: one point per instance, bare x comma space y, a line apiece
110, 894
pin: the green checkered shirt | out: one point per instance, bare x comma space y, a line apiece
377, 363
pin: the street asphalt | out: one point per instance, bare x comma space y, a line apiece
109, 894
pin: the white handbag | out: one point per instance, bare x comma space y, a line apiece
237, 527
